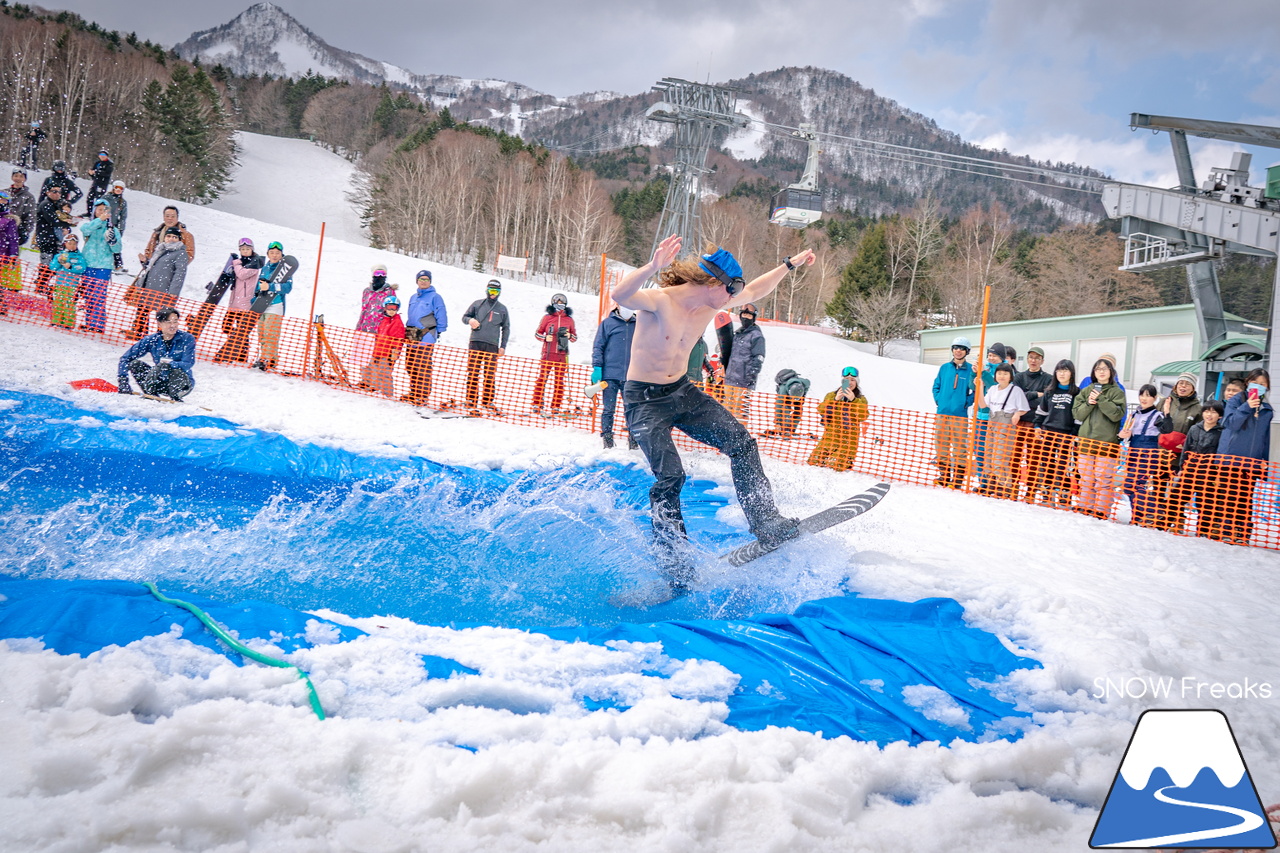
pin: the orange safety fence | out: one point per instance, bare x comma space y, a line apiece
1231, 499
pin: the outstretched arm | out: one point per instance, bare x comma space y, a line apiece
763, 285
628, 294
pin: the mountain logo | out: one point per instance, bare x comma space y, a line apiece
1182, 783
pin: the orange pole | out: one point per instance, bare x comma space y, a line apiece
311, 318
604, 287
977, 384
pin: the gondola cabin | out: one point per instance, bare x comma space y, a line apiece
796, 208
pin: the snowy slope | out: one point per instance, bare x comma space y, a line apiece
230, 763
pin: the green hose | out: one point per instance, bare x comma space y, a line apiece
221, 634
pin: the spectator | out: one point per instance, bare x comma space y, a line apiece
1011, 356
1246, 446
100, 179
1232, 388
953, 394
119, 218
1111, 360
1057, 439
995, 356
239, 320
1099, 410
1026, 452
48, 235
378, 374
371, 313
31, 146
610, 359
842, 413
70, 192
556, 331
271, 319
143, 295
161, 283
788, 404
1200, 476
1181, 410
746, 358
428, 320
101, 241
68, 266
157, 236
1006, 404
174, 354
490, 328
10, 272
22, 203
1142, 462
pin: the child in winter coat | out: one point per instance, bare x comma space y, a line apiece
789, 404
390, 338
1142, 462
1200, 476
101, 242
10, 272
1006, 405
1057, 443
68, 266
239, 320
842, 413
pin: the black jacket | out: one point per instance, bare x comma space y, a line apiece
1055, 410
47, 225
70, 192
1200, 441
101, 173
495, 322
1033, 385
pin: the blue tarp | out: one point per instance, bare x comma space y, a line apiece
839, 666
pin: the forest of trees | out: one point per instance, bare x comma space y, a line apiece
461, 193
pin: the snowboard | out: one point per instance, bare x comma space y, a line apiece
850, 508
288, 266
444, 414
217, 289
724, 337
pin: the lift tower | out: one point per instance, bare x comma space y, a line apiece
697, 110
1194, 225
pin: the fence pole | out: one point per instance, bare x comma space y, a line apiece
604, 288
977, 386
311, 317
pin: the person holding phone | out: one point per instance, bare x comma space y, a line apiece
1099, 409
1246, 450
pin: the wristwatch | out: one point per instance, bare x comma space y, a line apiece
790, 266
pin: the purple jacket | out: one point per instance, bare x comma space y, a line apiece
8, 235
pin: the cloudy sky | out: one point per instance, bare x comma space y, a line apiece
1055, 79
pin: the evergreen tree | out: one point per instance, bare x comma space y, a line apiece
867, 274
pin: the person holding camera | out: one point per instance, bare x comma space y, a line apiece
556, 331
174, 352
427, 321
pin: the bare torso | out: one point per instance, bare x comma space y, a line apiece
665, 336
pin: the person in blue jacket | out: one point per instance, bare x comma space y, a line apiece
270, 321
1246, 450
953, 394
174, 354
610, 359
426, 322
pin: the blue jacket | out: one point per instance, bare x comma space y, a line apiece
280, 289
953, 389
423, 303
181, 348
101, 242
1242, 433
611, 351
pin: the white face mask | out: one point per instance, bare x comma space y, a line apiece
625, 313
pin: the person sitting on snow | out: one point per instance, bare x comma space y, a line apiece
174, 352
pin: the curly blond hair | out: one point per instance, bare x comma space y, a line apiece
686, 270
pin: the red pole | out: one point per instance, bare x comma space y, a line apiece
977, 385
604, 288
311, 318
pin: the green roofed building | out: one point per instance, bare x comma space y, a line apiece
1149, 345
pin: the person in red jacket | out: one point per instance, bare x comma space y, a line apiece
386, 349
556, 331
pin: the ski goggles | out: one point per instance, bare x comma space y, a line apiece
245, 241
275, 245
850, 371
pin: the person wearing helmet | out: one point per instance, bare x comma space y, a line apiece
427, 321
953, 394
490, 324
70, 192
275, 293
31, 146
659, 397
556, 330
378, 374
842, 412
100, 177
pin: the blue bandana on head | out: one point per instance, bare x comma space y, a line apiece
725, 268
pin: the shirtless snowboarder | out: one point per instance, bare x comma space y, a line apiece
658, 396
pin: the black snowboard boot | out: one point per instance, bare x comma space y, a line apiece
608, 441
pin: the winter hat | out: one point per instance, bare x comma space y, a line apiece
1187, 377
423, 274
115, 184
173, 230
996, 349
103, 153
22, 172
1172, 441
103, 202
4, 197
378, 269
1036, 351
